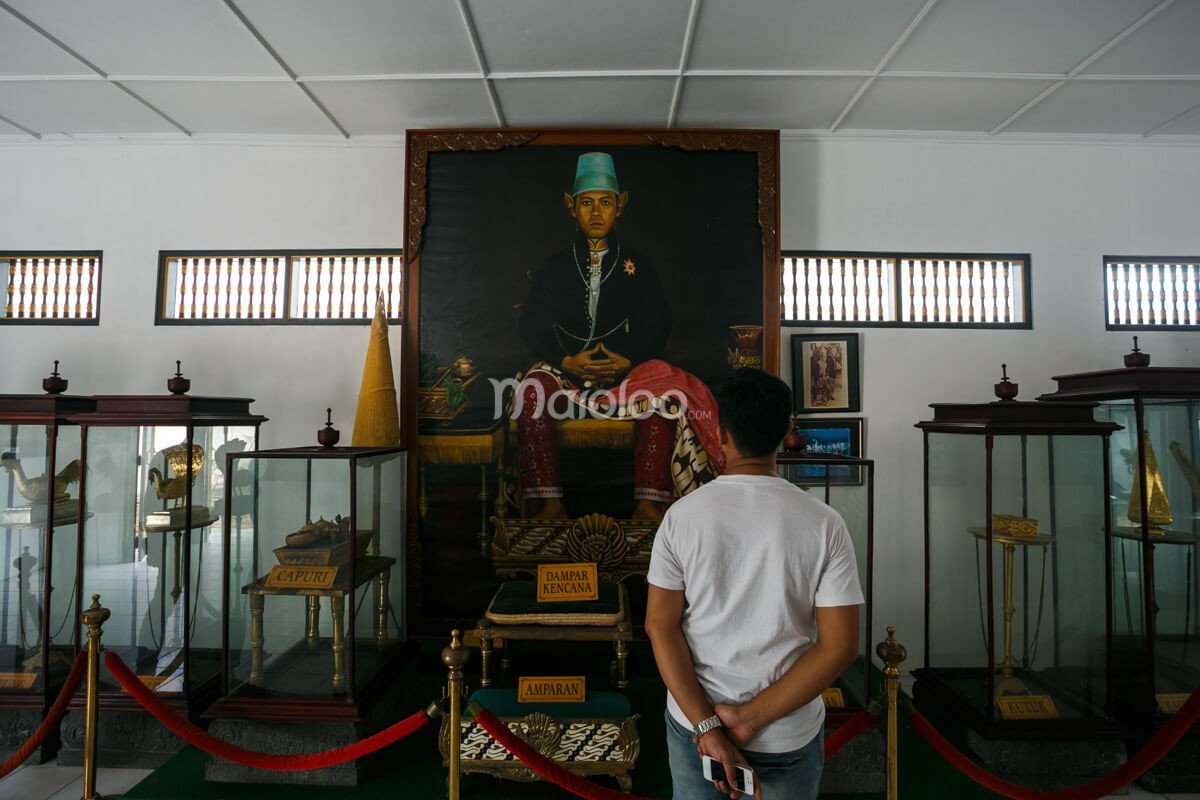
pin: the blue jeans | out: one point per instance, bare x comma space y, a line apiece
783, 776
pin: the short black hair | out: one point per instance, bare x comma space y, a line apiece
756, 409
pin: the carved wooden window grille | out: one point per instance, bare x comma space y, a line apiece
51, 287
906, 290
1151, 293
279, 287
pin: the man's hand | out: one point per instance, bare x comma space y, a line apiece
597, 364
716, 745
738, 726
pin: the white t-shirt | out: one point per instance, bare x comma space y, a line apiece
754, 556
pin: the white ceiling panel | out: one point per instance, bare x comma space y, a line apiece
799, 103
364, 37
1015, 35
536, 35
236, 107
77, 107
939, 104
24, 51
586, 101
389, 107
1109, 107
153, 37
1187, 125
808, 34
1166, 45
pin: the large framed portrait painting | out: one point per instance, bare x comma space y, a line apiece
574, 301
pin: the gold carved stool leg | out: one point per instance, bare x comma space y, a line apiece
422, 492
256, 639
381, 607
483, 510
485, 654
312, 625
337, 607
624, 630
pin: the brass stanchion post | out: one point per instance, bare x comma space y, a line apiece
892, 653
455, 658
93, 618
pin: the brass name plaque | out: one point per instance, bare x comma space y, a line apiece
17, 680
151, 682
552, 689
283, 577
833, 698
1170, 703
1027, 706
557, 583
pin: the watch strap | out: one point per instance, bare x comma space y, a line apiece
706, 725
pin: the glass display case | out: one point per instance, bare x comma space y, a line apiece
848, 486
150, 545
1016, 619
1155, 508
314, 590
40, 471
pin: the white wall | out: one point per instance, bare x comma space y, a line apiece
1066, 204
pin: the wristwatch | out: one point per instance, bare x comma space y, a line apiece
706, 725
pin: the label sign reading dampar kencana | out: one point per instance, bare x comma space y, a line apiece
558, 583
552, 689
1027, 706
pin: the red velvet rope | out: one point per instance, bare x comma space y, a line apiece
847, 731
1122, 776
53, 717
279, 763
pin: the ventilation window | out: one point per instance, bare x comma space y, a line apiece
51, 288
1151, 293
279, 287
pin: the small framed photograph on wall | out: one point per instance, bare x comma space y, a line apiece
825, 373
829, 436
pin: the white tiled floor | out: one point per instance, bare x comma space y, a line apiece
50, 782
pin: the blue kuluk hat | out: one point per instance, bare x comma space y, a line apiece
595, 172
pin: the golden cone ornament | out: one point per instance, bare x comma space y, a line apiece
377, 417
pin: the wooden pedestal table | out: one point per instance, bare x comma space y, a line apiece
555, 622
463, 443
369, 568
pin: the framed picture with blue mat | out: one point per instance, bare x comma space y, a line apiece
834, 437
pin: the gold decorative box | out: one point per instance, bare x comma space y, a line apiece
1014, 526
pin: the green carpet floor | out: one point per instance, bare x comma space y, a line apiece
416, 770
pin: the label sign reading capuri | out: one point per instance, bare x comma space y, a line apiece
557, 583
287, 577
552, 689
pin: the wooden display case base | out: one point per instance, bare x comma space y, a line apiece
127, 739
859, 767
1179, 770
16, 724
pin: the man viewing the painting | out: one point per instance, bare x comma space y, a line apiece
597, 319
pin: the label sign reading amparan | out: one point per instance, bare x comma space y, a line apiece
1027, 706
551, 689
151, 682
17, 680
282, 577
1170, 703
833, 698
562, 582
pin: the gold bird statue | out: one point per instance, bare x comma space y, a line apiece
35, 490
176, 488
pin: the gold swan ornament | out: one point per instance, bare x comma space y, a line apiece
35, 489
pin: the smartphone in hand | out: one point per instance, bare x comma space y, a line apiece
743, 777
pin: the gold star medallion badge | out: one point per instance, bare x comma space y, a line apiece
629, 267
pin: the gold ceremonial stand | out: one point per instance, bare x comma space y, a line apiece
1010, 684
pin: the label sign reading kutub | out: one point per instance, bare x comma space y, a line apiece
833, 698
551, 689
1027, 706
557, 583
17, 680
1170, 703
283, 577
